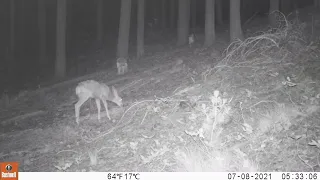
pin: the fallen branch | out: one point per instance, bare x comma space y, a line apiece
23, 116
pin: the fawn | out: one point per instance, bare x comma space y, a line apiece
122, 65
100, 92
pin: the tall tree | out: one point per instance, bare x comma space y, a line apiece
244, 8
210, 24
163, 14
124, 29
22, 28
285, 6
43, 62
140, 29
235, 20
295, 5
316, 3
71, 21
274, 6
193, 14
60, 64
183, 22
172, 13
11, 59
156, 13
99, 20
218, 11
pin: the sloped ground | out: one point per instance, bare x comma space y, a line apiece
254, 107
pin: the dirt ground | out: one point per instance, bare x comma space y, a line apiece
250, 106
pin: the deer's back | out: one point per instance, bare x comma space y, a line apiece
93, 89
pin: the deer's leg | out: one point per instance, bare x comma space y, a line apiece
126, 68
106, 107
118, 67
82, 99
99, 108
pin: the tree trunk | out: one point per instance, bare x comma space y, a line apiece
235, 20
99, 21
316, 3
156, 13
172, 13
274, 6
289, 5
193, 14
295, 5
209, 26
163, 14
43, 62
11, 51
218, 11
12, 28
60, 65
140, 29
23, 27
183, 22
20, 41
244, 8
124, 29
285, 6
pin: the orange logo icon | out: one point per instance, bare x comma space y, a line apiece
9, 170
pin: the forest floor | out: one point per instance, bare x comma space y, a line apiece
250, 106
